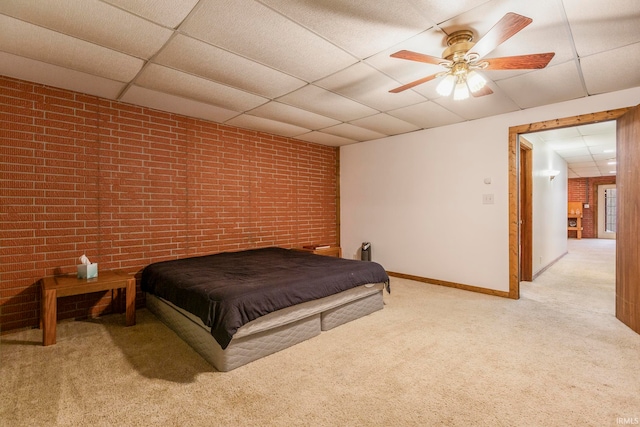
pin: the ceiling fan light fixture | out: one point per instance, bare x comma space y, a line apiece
446, 85
461, 91
475, 81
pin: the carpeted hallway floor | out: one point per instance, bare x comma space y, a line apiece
433, 356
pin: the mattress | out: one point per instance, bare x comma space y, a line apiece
270, 333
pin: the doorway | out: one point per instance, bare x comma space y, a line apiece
514, 183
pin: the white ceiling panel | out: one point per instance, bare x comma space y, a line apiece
574, 152
287, 114
558, 134
431, 42
202, 59
426, 115
586, 172
547, 86
571, 158
92, 21
362, 28
267, 37
439, 11
603, 25
600, 139
384, 123
353, 132
296, 116
621, 71
599, 128
579, 165
266, 125
35, 42
325, 139
482, 106
171, 81
175, 104
607, 163
320, 101
602, 156
569, 143
169, 13
362, 83
53, 75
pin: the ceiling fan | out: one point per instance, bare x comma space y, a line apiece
463, 58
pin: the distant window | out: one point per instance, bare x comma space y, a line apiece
610, 210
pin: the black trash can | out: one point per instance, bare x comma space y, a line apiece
365, 251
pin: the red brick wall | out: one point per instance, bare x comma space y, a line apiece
583, 190
129, 186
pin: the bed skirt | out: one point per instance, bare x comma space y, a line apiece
272, 332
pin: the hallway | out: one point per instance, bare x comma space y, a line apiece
584, 279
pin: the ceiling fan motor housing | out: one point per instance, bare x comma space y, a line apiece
459, 43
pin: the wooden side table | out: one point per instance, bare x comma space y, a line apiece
335, 251
62, 286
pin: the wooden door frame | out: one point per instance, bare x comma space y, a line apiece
514, 169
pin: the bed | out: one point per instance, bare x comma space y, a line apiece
236, 307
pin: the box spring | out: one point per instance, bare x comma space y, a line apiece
272, 332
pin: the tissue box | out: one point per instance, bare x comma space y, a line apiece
87, 271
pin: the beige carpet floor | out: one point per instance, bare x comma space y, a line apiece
434, 356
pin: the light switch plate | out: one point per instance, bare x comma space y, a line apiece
487, 199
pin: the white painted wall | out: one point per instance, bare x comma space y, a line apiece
418, 197
549, 206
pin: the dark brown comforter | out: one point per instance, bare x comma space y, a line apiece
229, 289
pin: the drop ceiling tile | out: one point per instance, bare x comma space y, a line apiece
602, 25
598, 128
575, 154
169, 13
52, 75
370, 87
572, 174
584, 172
266, 125
266, 36
431, 42
439, 11
199, 58
320, 101
568, 143
582, 165
600, 139
385, 124
546, 86
350, 131
325, 139
92, 21
38, 43
607, 163
362, 28
174, 104
426, 115
163, 79
558, 134
287, 114
603, 156
608, 149
483, 106
623, 63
